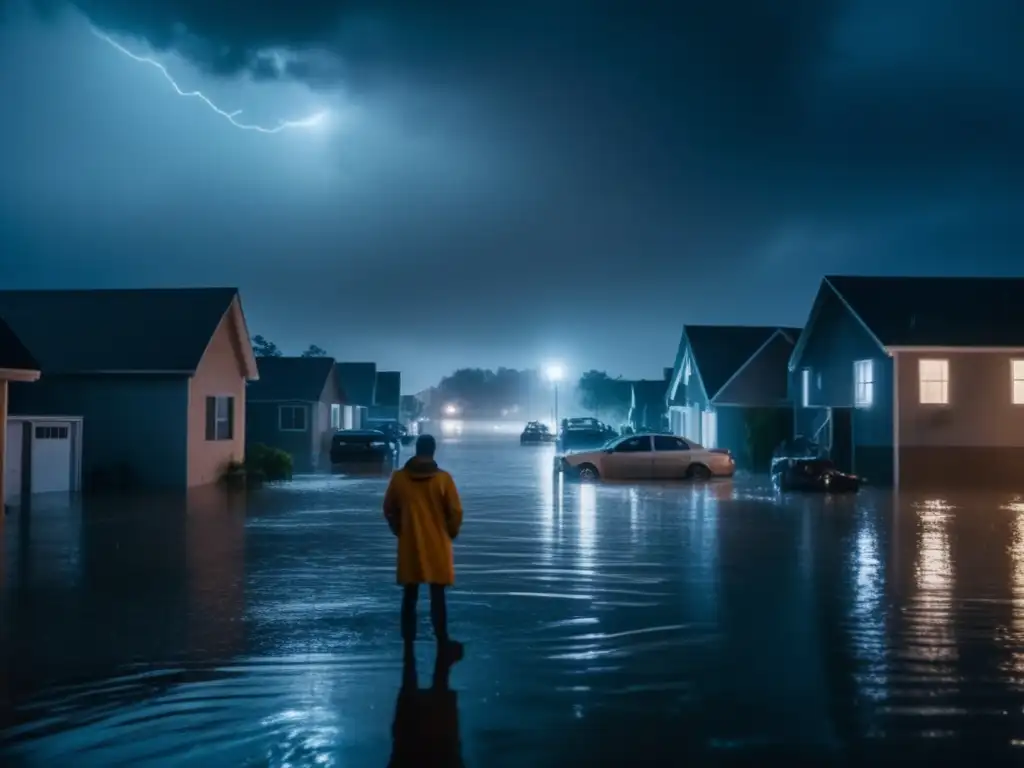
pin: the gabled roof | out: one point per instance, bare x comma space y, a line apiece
389, 388
161, 330
291, 378
13, 354
720, 351
358, 382
937, 311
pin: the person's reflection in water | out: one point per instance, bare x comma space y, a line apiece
426, 728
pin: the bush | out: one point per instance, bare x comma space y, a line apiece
272, 464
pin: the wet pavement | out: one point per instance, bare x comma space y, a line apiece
604, 625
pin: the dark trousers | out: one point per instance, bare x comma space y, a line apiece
438, 611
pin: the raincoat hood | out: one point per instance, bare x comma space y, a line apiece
420, 468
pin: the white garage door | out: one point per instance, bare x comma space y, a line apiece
12, 469
51, 457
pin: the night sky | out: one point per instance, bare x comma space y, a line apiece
507, 183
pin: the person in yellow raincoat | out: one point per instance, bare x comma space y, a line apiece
423, 509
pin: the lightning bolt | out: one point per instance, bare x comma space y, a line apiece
315, 120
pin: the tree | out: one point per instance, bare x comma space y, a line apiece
261, 347
315, 351
599, 392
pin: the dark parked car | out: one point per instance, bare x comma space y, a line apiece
819, 475
536, 433
799, 447
362, 446
395, 431
584, 434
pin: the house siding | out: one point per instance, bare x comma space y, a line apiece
263, 426
836, 340
133, 426
978, 438
221, 371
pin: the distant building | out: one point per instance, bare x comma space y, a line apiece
647, 409
141, 388
915, 380
296, 405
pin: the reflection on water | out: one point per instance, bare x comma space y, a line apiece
605, 624
931, 616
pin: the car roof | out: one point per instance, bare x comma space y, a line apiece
359, 433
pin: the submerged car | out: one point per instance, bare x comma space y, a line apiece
648, 457
584, 433
819, 475
362, 446
536, 433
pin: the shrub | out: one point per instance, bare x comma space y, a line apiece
272, 464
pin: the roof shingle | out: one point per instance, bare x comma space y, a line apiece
122, 330
290, 378
719, 351
938, 311
13, 354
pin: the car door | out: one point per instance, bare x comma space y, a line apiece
672, 457
631, 459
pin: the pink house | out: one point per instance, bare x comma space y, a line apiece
139, 388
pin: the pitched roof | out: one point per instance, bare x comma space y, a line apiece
937, 311
118, 330
358, 382
389, 388
291, 378
719, 351
13, 354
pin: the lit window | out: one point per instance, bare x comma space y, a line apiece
863, 383
1017, 371
805, 387
933, 377
335, 416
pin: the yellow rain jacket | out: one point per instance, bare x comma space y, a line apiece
422, 507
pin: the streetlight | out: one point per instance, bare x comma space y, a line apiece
555, 374
451, 409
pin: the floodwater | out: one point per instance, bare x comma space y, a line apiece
604, 625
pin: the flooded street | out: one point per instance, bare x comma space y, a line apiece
607, 624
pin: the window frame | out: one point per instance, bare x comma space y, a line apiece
674, 439
303, 409
922, 382
336, 416
624, 441
805, 387
1015, 379
220, 426
864, 391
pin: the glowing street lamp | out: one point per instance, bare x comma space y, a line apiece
451, 409
555, 373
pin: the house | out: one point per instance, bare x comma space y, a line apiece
358, 387
729, 389
647, 409
915, 380
16, 365
296, 405
139, 387
387, 396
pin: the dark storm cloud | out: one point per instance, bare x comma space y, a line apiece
711, 154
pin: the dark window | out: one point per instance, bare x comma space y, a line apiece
669, 443
292, 418
51, 433
634, 445
220, 417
